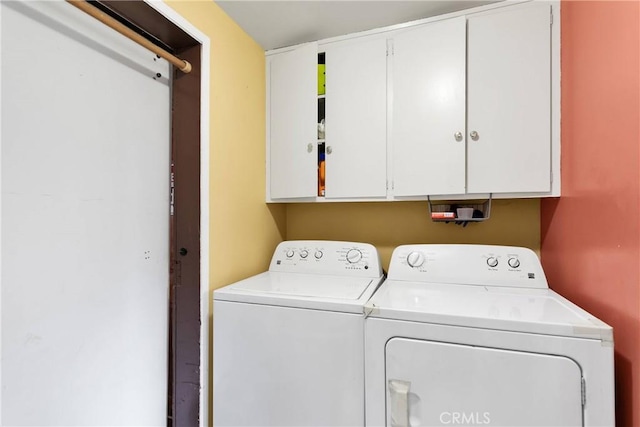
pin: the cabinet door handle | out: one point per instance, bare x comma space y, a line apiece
309, 147
474, 135
329, 150
458, 136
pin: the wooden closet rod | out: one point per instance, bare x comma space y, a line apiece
181, 64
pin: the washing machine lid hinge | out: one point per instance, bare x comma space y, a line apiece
583, 388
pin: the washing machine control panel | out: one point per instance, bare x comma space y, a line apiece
327, 257
483, 265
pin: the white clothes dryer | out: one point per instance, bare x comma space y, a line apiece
289, 343
472, 335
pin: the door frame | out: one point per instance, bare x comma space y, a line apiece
178, 20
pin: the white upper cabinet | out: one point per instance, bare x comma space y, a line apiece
505, 146
356, 119
509, 101
428, 121
461, 107
291, 123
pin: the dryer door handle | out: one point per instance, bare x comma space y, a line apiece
399, 402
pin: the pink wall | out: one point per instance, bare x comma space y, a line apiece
590, 243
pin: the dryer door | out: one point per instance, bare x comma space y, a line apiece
432, 383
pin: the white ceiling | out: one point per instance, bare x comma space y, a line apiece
276, 24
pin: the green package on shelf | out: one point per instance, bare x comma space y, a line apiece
321, 80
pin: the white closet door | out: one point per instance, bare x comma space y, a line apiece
356, 119
428, 89
509, 101
432, 383
85, 213
293, 109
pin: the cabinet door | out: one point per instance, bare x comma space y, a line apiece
292, 129
428, 86
509, 101
356, 119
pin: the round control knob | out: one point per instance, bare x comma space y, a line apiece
353, 256
514, 262
290, 253
415, 259
318, 254
492, 261
304, 253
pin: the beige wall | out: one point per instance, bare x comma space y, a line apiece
387, 225
244, 230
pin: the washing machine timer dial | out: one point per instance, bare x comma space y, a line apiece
415, 259
354, 256
514, 262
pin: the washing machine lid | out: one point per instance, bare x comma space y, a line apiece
313, 291
540, 311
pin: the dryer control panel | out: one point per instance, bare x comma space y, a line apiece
483, 265
327, 257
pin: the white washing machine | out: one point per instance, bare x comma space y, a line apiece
472, 335
289, 343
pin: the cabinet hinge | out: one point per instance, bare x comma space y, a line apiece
583, 391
